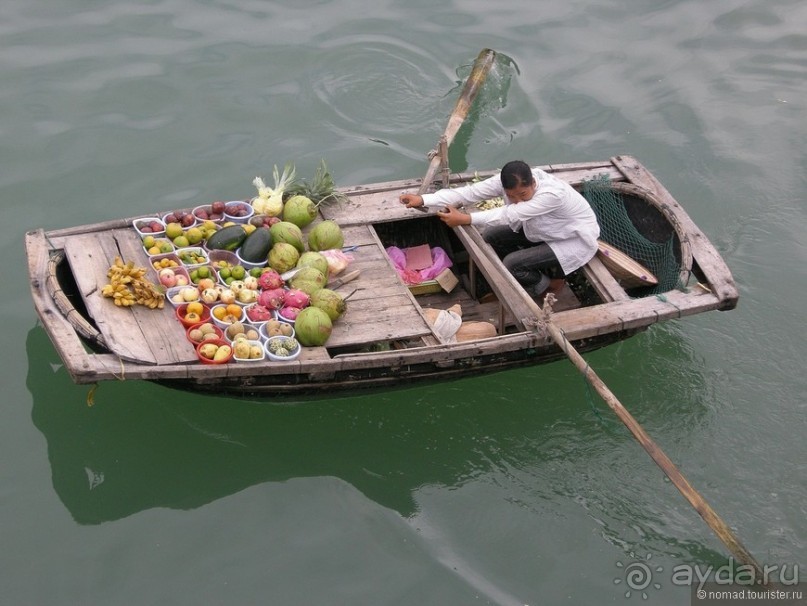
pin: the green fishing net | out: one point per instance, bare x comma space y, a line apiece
643, 234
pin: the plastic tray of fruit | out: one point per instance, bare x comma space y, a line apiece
157, 245
227, 275
180, 295
238, 211
275, 328
192, 256
248, 350
149, 225
225, 314
210, 212
183, 216
221, 259
240, 330
282, 349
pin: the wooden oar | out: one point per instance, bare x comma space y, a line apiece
476, 79
708, 514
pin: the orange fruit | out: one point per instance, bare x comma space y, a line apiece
234, 310
219, 312
195, 307
192, 317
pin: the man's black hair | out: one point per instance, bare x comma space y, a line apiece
516, 173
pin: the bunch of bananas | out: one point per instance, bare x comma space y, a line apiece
128, 287
492, 203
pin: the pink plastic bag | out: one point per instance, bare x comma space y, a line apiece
440, 261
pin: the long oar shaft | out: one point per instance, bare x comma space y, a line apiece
708, 514
476, 79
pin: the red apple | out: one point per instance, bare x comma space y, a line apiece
217, 207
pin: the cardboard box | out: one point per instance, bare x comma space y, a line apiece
445, 280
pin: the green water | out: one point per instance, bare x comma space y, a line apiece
517, 488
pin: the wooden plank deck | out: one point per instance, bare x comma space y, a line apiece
150, 336
380, 307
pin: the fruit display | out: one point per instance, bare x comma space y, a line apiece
227, 313
128, 287
287, 232
210, 212
157, 246
233, 273
282, 348
149, 225
204, 331
191, 256
276, 328
238, 330
313, 327
329, 301
238, 210
227, 238
299, 210
202, 272
314, 259
192, 313
214, 352
163, 261
325, 235
309, 280
283, 257
256, 246
173, 276
248, 350
182, 217
269, 201
221, 264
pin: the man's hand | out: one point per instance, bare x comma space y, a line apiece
411, 200
452, 217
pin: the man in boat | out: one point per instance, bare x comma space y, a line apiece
544, 222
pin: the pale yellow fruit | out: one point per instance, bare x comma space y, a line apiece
222, 353
241, 348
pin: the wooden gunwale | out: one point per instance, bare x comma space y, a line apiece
588, 327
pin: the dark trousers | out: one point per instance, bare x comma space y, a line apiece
527, 261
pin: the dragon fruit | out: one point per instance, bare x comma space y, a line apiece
296, 298
270, 279
289, 312
272, 299
259, 313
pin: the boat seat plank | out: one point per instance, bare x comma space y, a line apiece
138, 334
603, 281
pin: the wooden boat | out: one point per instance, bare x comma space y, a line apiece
385, 338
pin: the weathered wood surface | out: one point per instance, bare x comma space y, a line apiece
151, 336
61, 332
380, 307
603, 281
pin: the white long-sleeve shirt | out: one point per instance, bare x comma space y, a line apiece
557, 214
